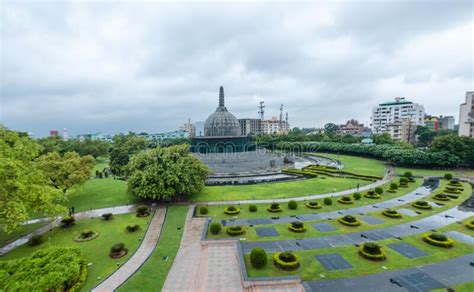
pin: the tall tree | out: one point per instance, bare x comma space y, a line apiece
330, 128
23, 187
123, 147
382, 138
425, 135
66, 171
463, 147
163, 173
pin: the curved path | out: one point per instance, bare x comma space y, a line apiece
433, 276
144, 251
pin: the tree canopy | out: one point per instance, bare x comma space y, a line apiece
163, 173
94, 148
123, 147
23, 187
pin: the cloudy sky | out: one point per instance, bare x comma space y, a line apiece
149, 66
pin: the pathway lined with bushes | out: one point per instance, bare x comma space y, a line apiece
139, 257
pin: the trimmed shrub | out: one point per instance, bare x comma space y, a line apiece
421, 205
215, 227
235, 230
408, 174
232, 210
203, 210
392, 213
107, 216
439, 240
470, 224
286, 261
292, 205
455, 182
327, 201
441, 197
313, 205
274, 207
253, 208
142, 211
371, 194
394, 186
297, 226
87, 234
35, 240
345, 200
403, 182
453, 190
448, 176
372, 251
379, 190
118, 250
349, 220
132, 228
258, 258
357, 196
67, 222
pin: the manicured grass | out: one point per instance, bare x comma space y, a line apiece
277, 190
101, 163
356, 164
152, 275
424, 172
95, 251
311, 269
100, 193
466, 287
17, 234
217, 212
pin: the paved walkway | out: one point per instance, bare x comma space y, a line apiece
139, 257
445, 274
210, 267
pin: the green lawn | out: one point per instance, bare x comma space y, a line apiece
17, 234
97, 250
217, 212
152, 274
100, 193
466, 287
356, 164
101, 163
277, 190
311, 269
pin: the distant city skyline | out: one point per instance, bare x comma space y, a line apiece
145, 67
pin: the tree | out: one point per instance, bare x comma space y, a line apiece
23, 187
163, 173
382, 138
425, 135
67, 171
123, 147
463, 147
330, 128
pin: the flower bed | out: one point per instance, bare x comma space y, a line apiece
286, 261
349, 220
235, 230
232, 210
372, 251
422, 205
439, 240
313, 205
392, 214
345, 200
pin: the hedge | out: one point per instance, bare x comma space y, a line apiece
235, 230
284, 265
86, 236
274, 208
372, 256
470, 225
82, 278
422, 205
313, 205
348, 223
392, 214
336, 172
345, 200
297, 227
428, 238
441, 197
232, 210
373, 196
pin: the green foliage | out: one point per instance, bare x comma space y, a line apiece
292, 205
235, 230
95, 148
379, 190
460, 146
408, 174
330, 128
274, 207
36, 240
327, 201
142, 211
87, 234
24, 189
53, 269
286, 260
448, 176
67, 222
425, 135
394, 186
253, 208
382, 139
349, 218
117, 248
203, 210
372, 248
132, 228
215, 227
438, 236
163, 173
403, 181
258, 258
108, 216
124, 146
231, 210
357, 196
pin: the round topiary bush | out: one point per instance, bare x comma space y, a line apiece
118, 250
403, 182
441, 197
349, 220
107, 216
35, 240
448, 176
274, 207
421, 205
297, 226
327, 201
203, 210
345, 200
357, 196
408, 174
235, 230
392, 213
372, 251
143, 211
253, 208
232, 210
132, 228
215, 228
67, 222
286, 261
292, 205
379, 190
438, 239
313, 205
258, 258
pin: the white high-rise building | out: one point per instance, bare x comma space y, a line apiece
400, 109
466, 116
